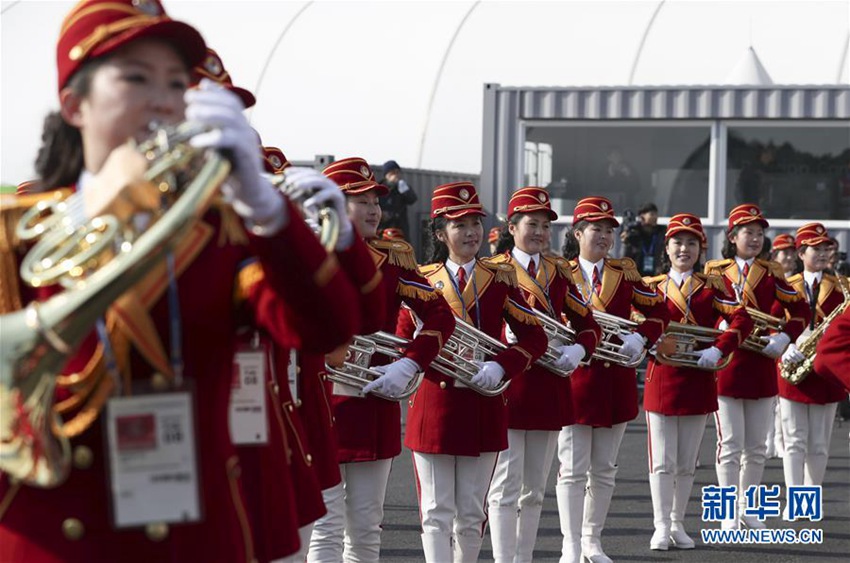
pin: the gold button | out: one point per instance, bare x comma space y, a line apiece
333, 419
289, 407
73, 529
309, 459
298, 403
297, 369
159, 382
156, 531
442, 385
83, 457
607, 364
324, 377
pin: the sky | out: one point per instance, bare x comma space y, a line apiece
404, 79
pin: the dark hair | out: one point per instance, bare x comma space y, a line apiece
438, 251
647, 207
571, 248
60, 158
765, 249
729, 250
506, 239
665, 259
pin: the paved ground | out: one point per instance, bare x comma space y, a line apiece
629, 526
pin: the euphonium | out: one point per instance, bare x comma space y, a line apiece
689, 339
325, 220
764, 325
608, 349
355, 371
795, 372
558, 335
38, 340
465, 347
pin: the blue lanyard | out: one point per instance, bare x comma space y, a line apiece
651, 250
175, 323
739, 288
544, 290
589, 283
109, 356
687, 299
474, 294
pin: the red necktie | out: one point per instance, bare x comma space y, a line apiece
746, 271
597, 282
813, 303
461, 279
532, 270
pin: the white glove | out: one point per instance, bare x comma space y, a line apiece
322, 192
252, 196
489, 376
395, 377
793, 355
776, 344
570, 358
633, 345
402, 186
723, 325
509, 335
709, 357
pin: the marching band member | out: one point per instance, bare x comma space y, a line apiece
604, 394
833, 351
121, 66
808, 408
454, 432
539, 402
677, 400
369, 428
747, 386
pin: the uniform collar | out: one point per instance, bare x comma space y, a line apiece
587, 267
678, 277
524, 258
740, 261
810, 277
453, 267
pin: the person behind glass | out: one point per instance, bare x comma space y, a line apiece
369, 428
747, 386
454, 432
604, 394
121, 66
808, 408
677, 400
539, 402
644, 242
398, 198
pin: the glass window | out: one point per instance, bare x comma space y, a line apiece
790, 172
629, 164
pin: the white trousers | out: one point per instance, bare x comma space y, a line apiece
807, 430
452, 493
517, 489
351, 530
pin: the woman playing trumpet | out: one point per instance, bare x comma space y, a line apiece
808, 408
677, 399
539, 402
455, 433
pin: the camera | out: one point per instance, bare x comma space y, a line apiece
630, 222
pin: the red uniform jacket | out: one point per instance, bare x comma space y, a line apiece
680, 391
606, 394
31, 520
369, 428
833, 351
446, 419
540, 399
751, 375
816, 389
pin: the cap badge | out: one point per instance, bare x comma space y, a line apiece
542, 197
213, 65
820, 230
604, 206
753, 211
364, 171
464, 194
275, 160
148, 7
686, 221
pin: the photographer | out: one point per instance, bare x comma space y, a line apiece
643, 239
395, 203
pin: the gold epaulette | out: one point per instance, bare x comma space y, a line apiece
505, 273
248, 276
796, 278
521, 313
498, 258
773, 267
716, 267
399, 253
563, 267
713, 281
627, 265
653, 281
429, 269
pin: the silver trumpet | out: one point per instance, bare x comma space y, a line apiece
38, 340
689, 340
466, 346
355, 371
325, 220
608, 349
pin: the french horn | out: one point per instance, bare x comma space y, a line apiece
97, 262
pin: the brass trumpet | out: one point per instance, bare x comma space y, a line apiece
38, 340
764, 325
466, 346
689, 339
325, 220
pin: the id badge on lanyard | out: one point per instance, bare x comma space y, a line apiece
153, 458
249, 423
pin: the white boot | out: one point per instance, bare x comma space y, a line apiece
466, 548
503, 524
437, 547
529, 521
793, 464
728, 475
596, 504
661, 487
681, 493
815, 469
570, 513
751, 474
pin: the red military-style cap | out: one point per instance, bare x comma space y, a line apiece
455, 200
494, 234
685, 222
594, 208
530, 199
745, 214
811, 234
213, 68
99, 27
354, 176
274, 161
782, 242
392, 233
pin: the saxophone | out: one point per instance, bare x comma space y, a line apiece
795, 372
